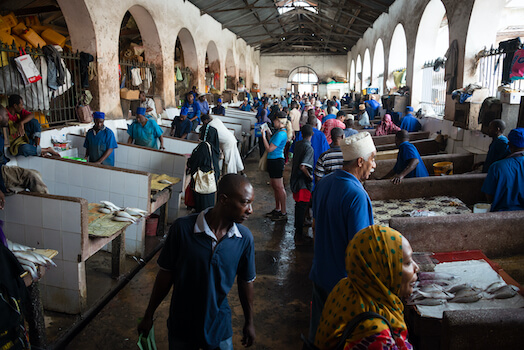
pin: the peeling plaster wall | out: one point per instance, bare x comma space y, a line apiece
324, 66
158, 21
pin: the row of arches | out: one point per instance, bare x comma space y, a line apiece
215, 56
419, 31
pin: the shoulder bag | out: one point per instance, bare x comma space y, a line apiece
205, 181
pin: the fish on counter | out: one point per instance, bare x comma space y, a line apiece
435, 276
28, 258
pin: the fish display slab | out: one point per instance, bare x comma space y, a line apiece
479, 274
101, 225
383, 210
157, 186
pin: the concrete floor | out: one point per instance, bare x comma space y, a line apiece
282, 287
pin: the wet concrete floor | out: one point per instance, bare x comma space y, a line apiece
282, 287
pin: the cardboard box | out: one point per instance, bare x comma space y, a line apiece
512, 98
127, 94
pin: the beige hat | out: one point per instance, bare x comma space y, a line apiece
362, 107
350, 117
318, 104
356, 146
246, 99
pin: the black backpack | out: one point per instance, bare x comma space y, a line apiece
13, 297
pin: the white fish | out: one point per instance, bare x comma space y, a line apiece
427, 302
17, 246
110, 205
123, 214
105, 210
31, 256
136, 212
505, 292
120, 218
458, 287
29, 266
437, 294
431, 288
164, 181
495, 286
467, 299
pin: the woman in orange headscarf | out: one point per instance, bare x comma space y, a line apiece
380, 272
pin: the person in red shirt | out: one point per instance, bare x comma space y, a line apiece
338, 122
26, 123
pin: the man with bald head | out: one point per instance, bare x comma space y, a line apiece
201, 258
499, 148
409, 164
341, 208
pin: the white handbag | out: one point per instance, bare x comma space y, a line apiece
205, 181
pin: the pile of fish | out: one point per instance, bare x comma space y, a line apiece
435, 288
122, 214
28, 258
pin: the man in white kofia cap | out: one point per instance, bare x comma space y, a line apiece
341, 208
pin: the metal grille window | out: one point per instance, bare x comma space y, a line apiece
433, 88
136, 75
50, 106
490, 70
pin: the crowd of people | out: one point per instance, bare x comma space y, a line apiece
358, 268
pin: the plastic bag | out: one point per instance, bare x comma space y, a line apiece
422, 213
148, 343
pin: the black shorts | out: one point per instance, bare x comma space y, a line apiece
275, 168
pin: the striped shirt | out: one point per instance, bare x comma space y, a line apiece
328, 162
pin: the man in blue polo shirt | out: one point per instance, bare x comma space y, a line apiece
409, 164
504, 185
100, 142
409, 122
201, 258
341, 208
181, 126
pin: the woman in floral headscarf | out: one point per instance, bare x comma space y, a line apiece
386, 127
380, 272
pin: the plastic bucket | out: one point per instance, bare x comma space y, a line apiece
481, 208
443, 168
152, 225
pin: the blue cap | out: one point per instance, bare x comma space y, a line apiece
184, 111
141, 111
516, 137
409, 109
99, 115
219, 100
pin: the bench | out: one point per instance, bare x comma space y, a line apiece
425, 147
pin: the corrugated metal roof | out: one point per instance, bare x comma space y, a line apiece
323, 26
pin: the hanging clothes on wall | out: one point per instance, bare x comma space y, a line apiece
136, 80
508, 47
451, 66
179, 76
55, 71
148, 78
85, 59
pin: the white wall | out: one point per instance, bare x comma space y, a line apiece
324, 66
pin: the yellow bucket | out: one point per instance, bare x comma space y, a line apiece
443, 168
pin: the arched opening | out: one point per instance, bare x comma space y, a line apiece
303, 80
212, 69
429, 87
352, 74
242, 74
140, 55
358, 75
505, 23
231, 75
378, 66
398, 58
366, 70
186, 64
